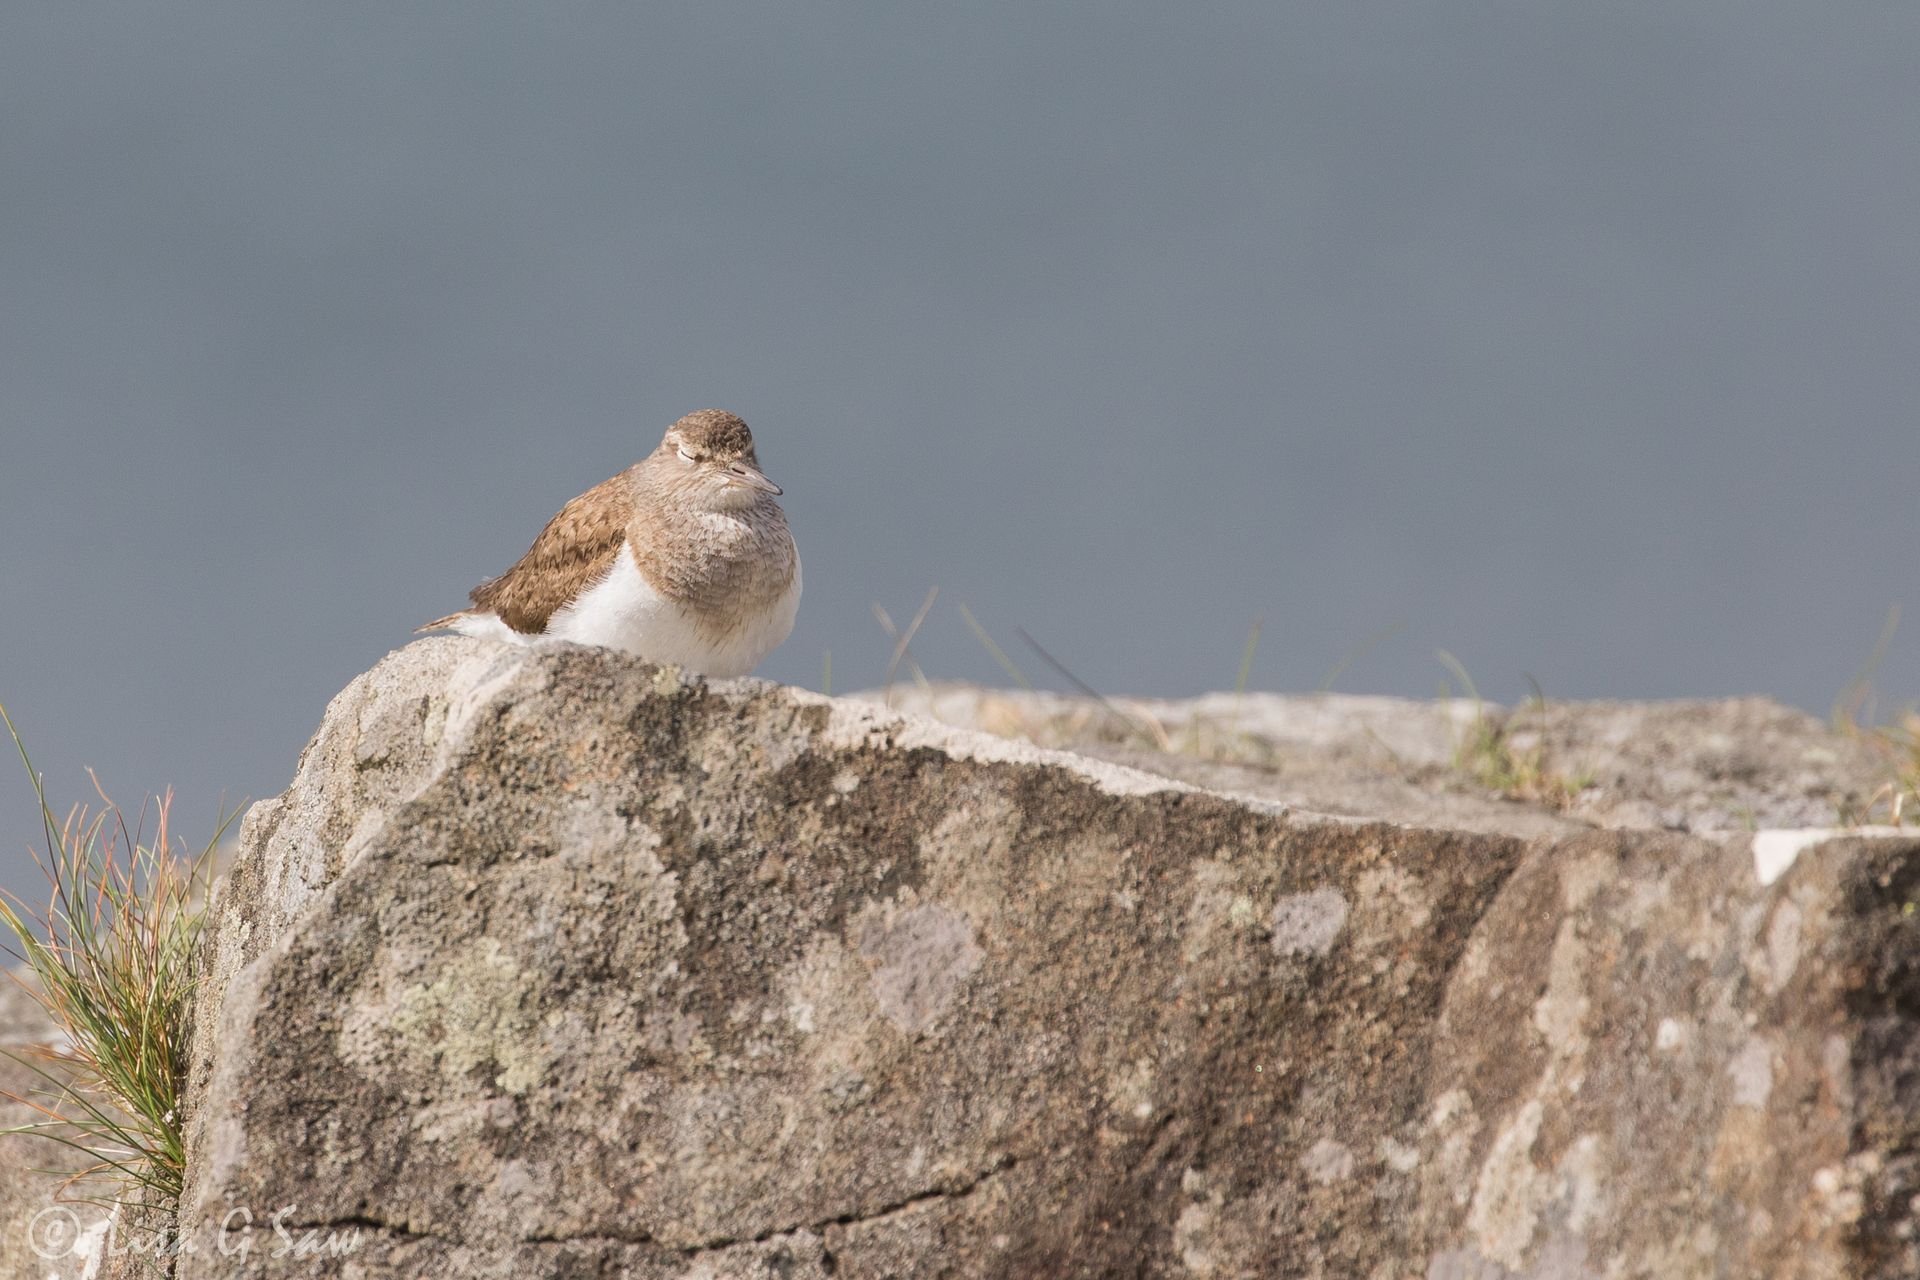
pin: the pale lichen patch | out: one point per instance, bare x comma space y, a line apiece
1559, 1013
1783, 945
477, 1011
920, 956
1837, 1189
1191, 1231
1836, 1070
1130, 1094
1327, 1162
1210, 914
1751, 1073
1582, 1184
1398, 1156
1308, 923
1452, 1127
1506, 1195
1580, 880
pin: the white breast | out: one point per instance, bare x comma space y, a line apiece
623, 611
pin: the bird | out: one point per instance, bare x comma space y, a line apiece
683, 558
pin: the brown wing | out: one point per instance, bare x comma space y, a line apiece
577, 546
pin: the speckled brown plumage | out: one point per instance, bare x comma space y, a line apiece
575, 549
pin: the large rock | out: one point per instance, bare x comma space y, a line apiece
551, 963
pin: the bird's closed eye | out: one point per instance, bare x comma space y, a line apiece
687, 458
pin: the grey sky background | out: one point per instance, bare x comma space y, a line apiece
1581, 340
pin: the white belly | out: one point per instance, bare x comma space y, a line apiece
623, 611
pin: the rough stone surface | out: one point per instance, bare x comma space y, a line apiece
47, 1230
1734, 764
554, 964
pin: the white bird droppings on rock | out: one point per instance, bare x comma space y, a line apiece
1774, 852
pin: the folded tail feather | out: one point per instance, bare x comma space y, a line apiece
444, 624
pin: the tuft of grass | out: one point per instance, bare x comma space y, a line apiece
112, 958
1896, 744
1491, 756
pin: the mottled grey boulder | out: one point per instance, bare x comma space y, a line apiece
553, 964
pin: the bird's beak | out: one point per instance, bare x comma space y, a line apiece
747, 474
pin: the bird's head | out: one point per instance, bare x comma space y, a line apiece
708, 456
